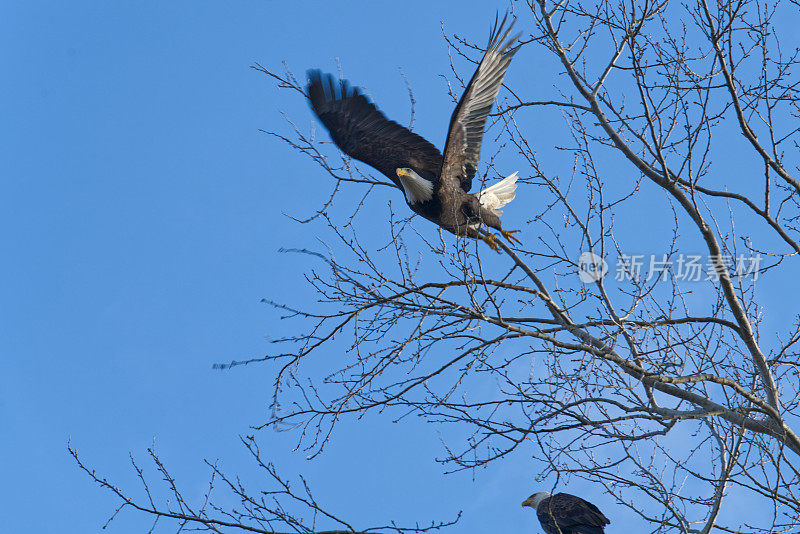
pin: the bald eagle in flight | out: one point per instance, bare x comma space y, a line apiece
435, 186
563, 513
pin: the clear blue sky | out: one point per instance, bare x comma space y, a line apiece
140, 232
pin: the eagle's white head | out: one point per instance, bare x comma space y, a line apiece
536, 499
416, 188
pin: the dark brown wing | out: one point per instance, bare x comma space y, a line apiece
567, 513
463, 147
363, 132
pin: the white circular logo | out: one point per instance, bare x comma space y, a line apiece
591, 267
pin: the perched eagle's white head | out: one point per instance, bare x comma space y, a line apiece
536, 499
416, 188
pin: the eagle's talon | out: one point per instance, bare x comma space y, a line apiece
509, 234
491, 240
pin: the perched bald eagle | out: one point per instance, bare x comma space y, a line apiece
435, 186
563, 513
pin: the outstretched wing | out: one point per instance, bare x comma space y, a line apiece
567, 513
463, 147
363, 132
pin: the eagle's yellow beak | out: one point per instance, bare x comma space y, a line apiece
526, 502
401, 172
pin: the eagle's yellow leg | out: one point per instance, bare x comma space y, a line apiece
491, 240
509, 234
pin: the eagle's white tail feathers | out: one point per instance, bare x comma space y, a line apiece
498, 195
